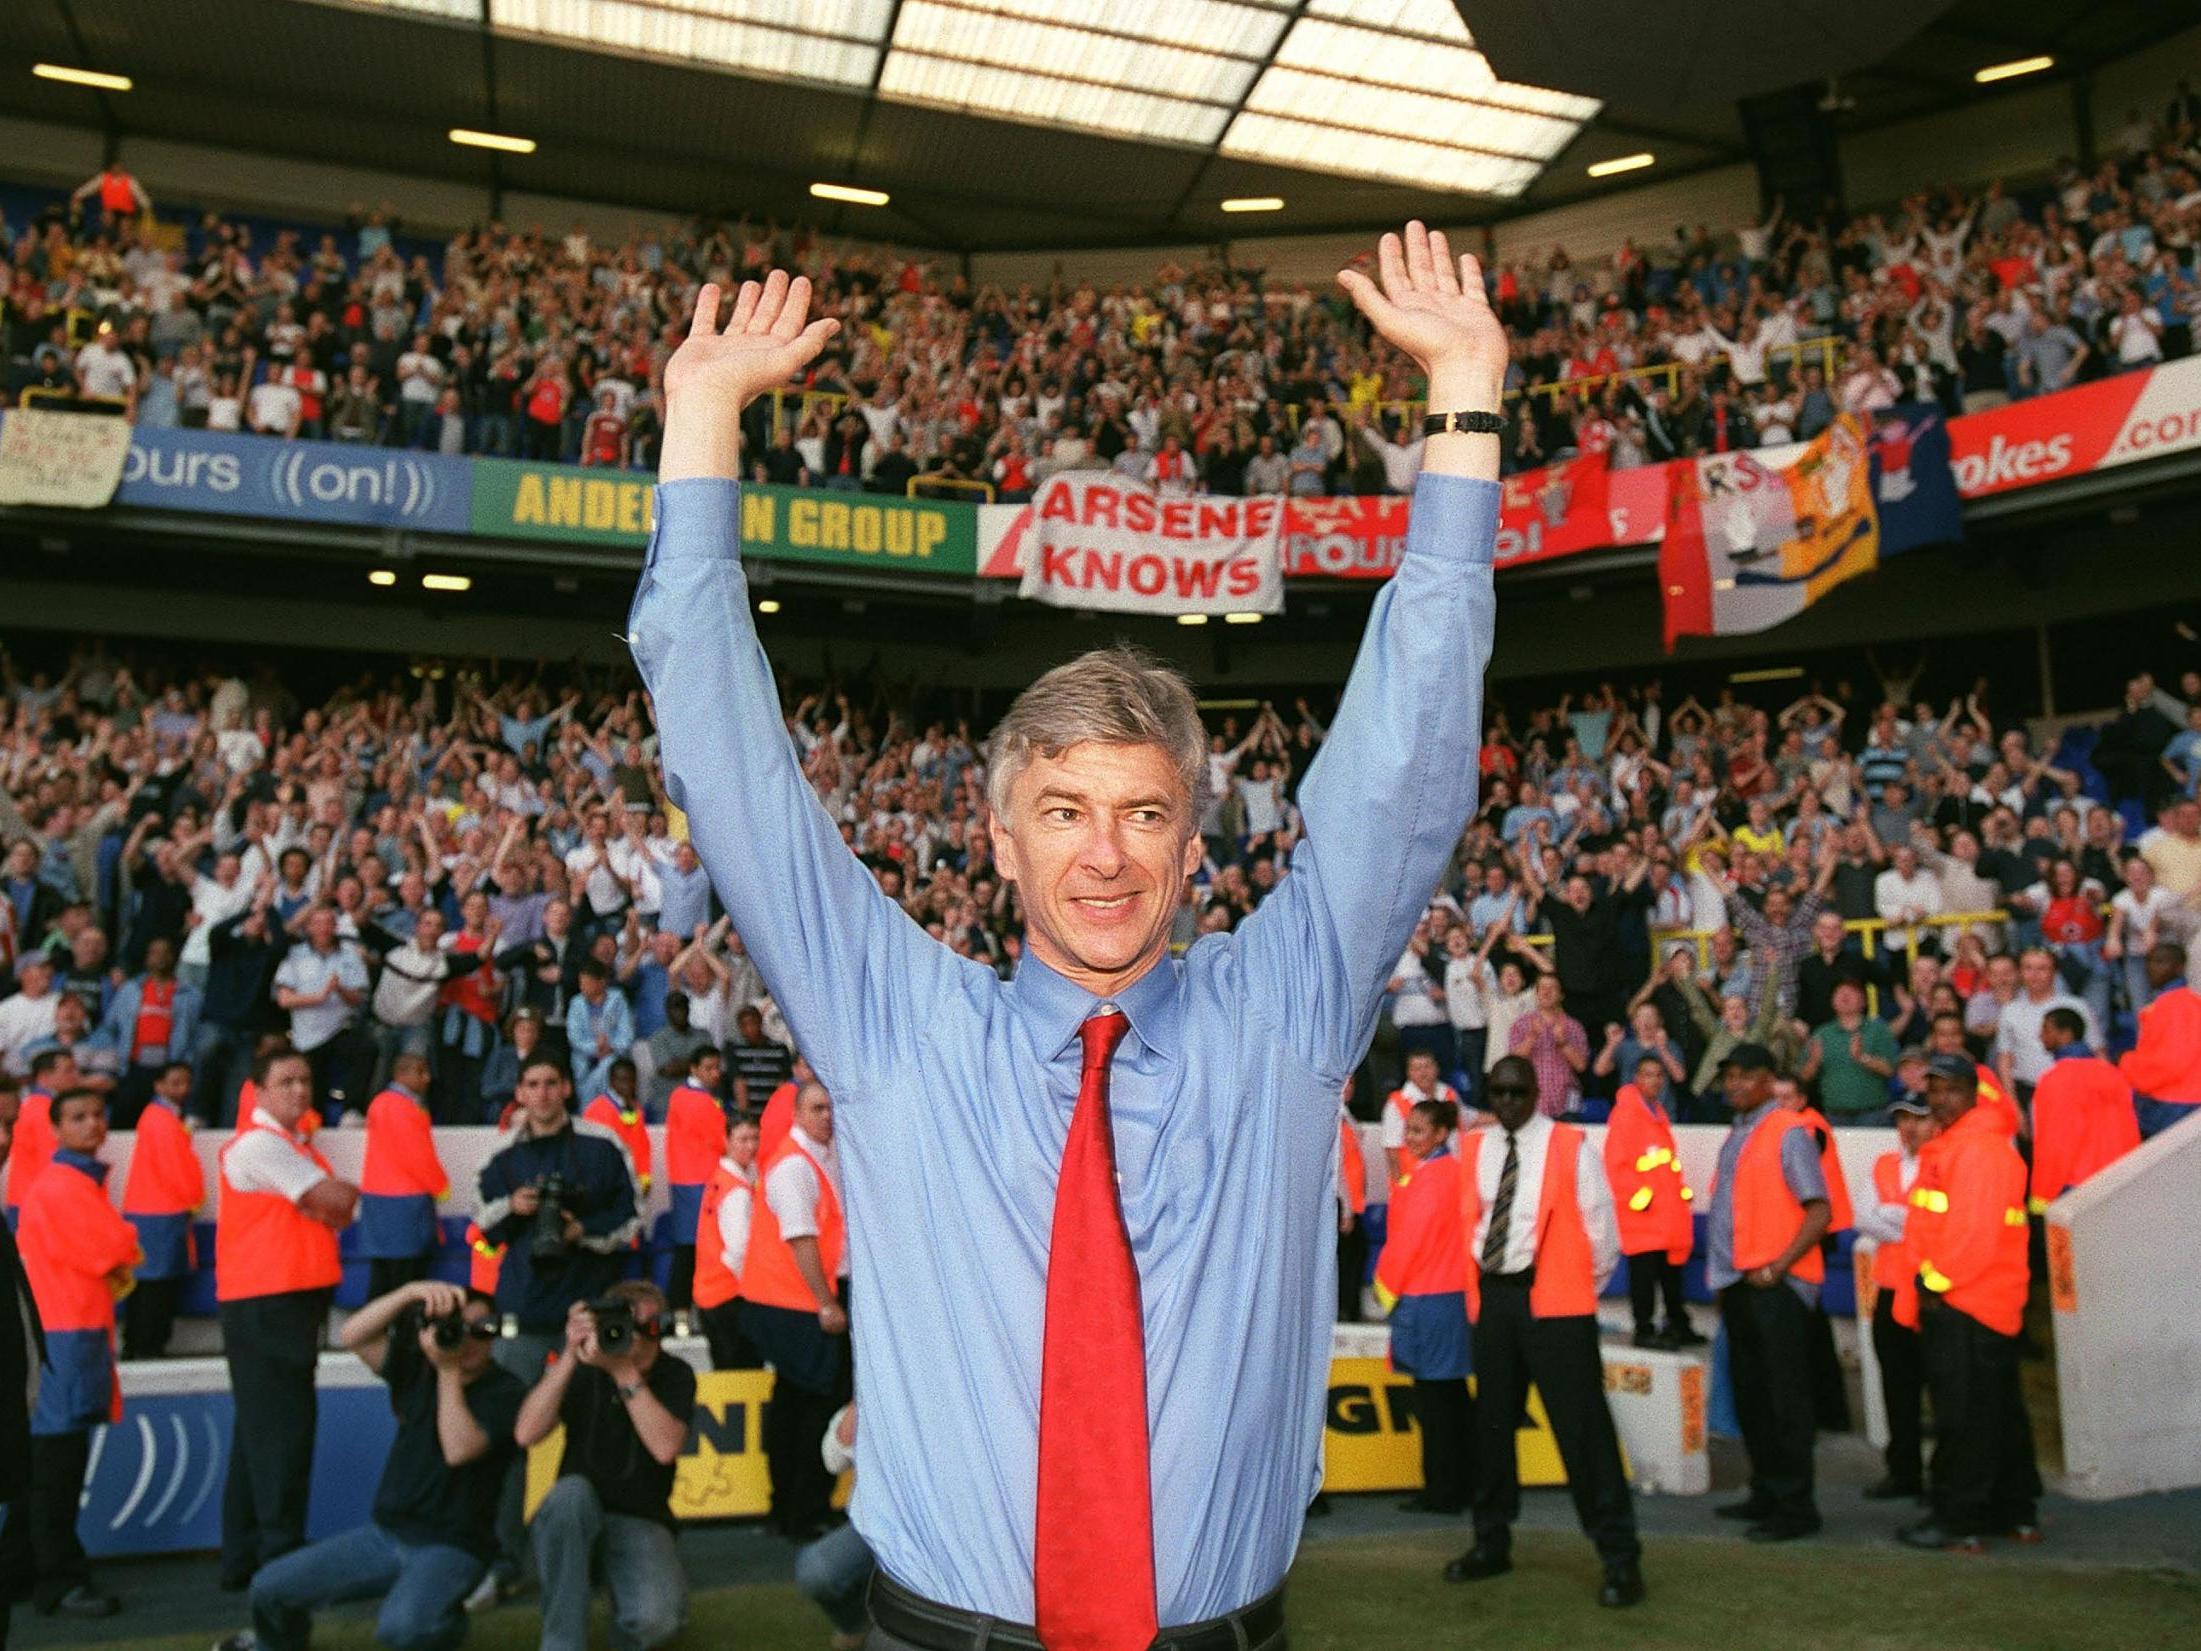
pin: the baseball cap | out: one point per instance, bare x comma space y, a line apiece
1750, 1057
1952, 1066
1913, 1105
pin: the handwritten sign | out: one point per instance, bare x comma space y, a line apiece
70, 460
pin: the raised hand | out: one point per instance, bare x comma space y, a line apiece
1438, 313
716, 372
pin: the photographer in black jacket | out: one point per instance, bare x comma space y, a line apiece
561, 1200
625, 1406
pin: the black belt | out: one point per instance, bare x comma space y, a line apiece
1522, 1280
921, 1622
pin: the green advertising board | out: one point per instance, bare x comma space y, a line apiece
513, 500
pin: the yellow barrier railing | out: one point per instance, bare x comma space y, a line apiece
954, 484
70, 401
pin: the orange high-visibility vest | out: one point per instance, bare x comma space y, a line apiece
1766, 1212
633, 1134
165, 1178
34, 1145
1566, 1272
1967, 1223
1841, 1214
2082, 1121
264, 1245
483, 1261
1423, 1252
1997, 1102
775, 1121
1651, 1199
2166, 1062
1895, 1266
401, 1160
73, 1242
769, 1276
695, 1136
715, 1282
1352, 1166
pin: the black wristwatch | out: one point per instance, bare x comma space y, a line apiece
1468, 424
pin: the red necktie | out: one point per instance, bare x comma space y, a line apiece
1093, 1577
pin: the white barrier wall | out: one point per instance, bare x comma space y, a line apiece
2124, 1273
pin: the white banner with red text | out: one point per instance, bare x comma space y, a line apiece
1099, 540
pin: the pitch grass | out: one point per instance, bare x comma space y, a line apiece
1384, 1594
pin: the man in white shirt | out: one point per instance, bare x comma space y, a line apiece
27, 1018
322, 983
1422, 1084
274, 407
593, 868
2019, 1055
1533, 1278
1903, 894
1467, 983
1417, 1009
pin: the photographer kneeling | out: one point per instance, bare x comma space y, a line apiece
560, 1199
625, 1405
429, 1540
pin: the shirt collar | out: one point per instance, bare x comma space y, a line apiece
1055, 1006
267, 1120
84, 1163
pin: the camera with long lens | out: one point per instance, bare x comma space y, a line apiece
546, 1234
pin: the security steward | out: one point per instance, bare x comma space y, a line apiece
1894, 1278
275, 1267
1421, 1280
2083, 1114
1768, 1210
78, 1254
22, 1364
1967, 1229
1653, 1205
401, 1180
162, 1193
695, 1140
795, 1313
1538, 1219
723, 1230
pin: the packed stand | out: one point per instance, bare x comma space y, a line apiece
527, 343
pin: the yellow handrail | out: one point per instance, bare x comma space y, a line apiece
69, 398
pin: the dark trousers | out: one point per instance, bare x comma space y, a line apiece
810, 1371
390, 1272
40, 1556
1445, 1412
680, 1280
731, 1348
126, 1101
1650, 1277
1829, 1388
1352, 1265
149, 1317
271, 1343
1984, 1476
1902, 1388
340, 1070
1769, 1364
1560, 1355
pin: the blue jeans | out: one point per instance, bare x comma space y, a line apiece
423, 1588
574, 1537
836, 1571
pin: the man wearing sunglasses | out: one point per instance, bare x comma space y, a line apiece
433, 1528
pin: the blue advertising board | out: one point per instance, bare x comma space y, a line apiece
314, 481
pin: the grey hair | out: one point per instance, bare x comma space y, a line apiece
1111, 696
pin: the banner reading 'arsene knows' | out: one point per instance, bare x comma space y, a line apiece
1098, 540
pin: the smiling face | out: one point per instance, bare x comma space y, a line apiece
1099, 841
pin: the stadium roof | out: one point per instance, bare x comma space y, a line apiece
1030, 123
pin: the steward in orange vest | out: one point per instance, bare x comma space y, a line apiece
1967, 1231
695, 1140
401, 1180
1768, 1209
1421, 1280
275, 1265
1352, 1212
2164, 1067
2083, 1118
792, 1307
163, 1191
1892, 1281
1422, 1084
1537, 1216
722, 1245
51, 1073
77, 1256
1829, 1387
1653, 1205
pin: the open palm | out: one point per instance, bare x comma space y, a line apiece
765, 342
1430, 307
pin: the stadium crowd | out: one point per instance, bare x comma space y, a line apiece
530, 343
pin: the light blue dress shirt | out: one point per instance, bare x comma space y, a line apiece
954, 1089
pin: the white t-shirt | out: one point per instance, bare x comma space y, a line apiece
792, 1192
106, 372
1466, 979
2142, 916
420, 377
1415, 1004
2018, 1033
270, 1159
275, 406
215, 905
23, 1022
733, 1217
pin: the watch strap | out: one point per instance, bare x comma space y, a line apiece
1466, 423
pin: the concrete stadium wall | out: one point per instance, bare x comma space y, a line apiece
2124, 1270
